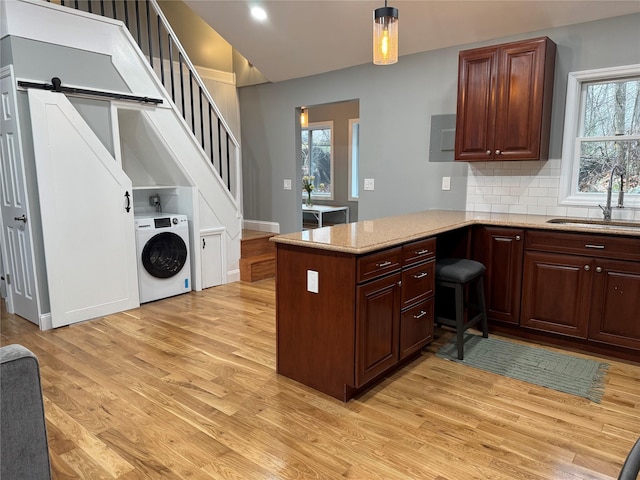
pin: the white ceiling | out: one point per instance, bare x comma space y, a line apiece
307, 37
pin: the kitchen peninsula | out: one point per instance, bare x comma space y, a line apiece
355, 301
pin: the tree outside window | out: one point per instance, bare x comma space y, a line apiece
317, 157
609, 134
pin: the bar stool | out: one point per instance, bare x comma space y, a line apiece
456, 273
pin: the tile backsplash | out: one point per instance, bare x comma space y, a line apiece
527, 187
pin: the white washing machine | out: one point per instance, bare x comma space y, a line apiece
162, 245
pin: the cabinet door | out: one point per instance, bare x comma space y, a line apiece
416, 328
615, 304
475, 119
520, 101
555, 294
377, 327
501, 251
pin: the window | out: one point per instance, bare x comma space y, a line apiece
354, 157
602, 128
317, 158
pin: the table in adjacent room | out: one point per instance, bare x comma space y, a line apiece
319, 210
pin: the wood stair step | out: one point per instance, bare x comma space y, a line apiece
257, 267
257, 245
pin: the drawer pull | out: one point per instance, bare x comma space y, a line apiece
587, 268
599, 247
599, 269
420, 275
422, 252
383, 264
420, 315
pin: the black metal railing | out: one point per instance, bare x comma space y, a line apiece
153, 34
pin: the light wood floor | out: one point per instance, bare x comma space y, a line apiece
186, 388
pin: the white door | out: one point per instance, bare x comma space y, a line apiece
211, 258
17, 237
87, 215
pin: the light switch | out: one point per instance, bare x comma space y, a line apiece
368, 183
287, 184
312, 281
446, 183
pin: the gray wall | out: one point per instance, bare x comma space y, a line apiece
396, 104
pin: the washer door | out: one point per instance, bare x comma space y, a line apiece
164, 255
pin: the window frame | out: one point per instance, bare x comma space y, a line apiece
353, 185
319, 126
571, 144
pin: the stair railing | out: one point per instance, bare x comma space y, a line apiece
168, 59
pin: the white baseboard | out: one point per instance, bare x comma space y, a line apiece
233, 276
261, 226
46, 323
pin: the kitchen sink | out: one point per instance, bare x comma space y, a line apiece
593, 223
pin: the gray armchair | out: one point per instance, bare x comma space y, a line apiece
631, 468
24, 451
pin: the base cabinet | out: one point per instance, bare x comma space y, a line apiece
556, 293
501, 250
615, 303
583, 286
363, 316
377, 327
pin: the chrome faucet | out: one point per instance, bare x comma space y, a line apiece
606, 210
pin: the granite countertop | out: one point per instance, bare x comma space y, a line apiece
369, 235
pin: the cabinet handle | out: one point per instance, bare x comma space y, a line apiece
589, 245
488, 152
517, 237
421, 252
420, 315
498, 152
598, 269
587, 268
420, 275
383, 264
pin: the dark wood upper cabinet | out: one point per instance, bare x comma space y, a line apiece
504, 101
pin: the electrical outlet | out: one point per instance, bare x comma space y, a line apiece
312, 281
446, 183
287, 184
368, 183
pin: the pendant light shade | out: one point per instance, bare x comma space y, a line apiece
385, 35
304, 117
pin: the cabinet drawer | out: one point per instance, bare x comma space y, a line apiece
419, 251
418, 283
416, 328
377, 264
604, 246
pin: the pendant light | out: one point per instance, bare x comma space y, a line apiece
304, 117
385, 35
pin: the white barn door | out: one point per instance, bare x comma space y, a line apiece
17, 238
87, 215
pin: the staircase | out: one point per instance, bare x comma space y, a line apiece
257, 256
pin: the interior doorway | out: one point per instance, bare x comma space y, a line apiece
328, 162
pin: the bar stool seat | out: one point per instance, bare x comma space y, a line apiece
456, 273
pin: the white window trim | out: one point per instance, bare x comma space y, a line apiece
350, 191
323, 196
570, 165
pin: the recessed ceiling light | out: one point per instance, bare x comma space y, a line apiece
259, 14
